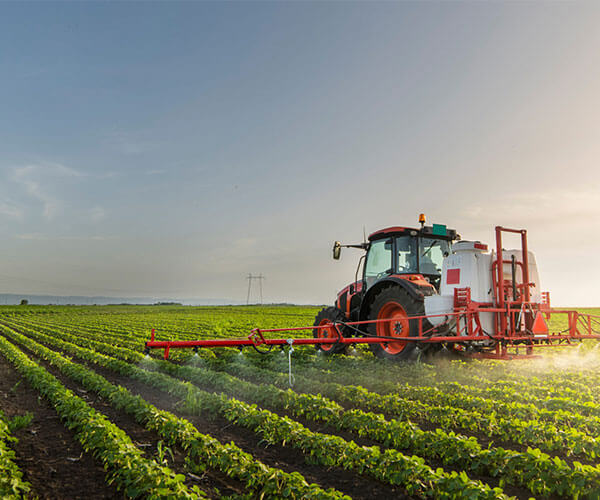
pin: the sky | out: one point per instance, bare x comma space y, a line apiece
169, 149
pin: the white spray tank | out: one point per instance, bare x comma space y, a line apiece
470, 265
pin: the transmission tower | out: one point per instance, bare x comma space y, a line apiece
259, 278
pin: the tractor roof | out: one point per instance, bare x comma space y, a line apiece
437, 230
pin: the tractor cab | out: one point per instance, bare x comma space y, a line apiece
409, 253
409, 257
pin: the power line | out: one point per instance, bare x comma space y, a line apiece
260, 279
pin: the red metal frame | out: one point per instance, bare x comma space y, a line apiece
513, 320
580, 327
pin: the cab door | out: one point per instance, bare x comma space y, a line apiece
378, 261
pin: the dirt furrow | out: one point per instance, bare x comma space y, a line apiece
285, 458
212, 483
48, 453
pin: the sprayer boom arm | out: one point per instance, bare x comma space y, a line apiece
580, 327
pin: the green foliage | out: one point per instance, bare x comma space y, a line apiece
547, 412
202, 451
19, 421
388, 466
12, 484
127, 469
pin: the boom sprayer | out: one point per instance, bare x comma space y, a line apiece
424, 289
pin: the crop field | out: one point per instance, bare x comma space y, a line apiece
85, 414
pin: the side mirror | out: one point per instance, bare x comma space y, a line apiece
337, 250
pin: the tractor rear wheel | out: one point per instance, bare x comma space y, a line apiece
326, 318
395, 303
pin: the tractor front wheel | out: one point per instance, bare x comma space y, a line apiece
327, 318
396, 304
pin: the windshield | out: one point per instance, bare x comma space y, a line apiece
431, 255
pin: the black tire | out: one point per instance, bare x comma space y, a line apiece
391, 302
331, 315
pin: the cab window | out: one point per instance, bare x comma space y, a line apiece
406, 246
431, 255
379, 261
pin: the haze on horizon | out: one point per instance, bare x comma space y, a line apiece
168, 149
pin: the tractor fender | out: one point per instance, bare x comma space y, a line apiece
415, 291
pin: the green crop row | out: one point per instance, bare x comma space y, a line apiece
546, 436
12, 484
389, 466
560, 398
487, 400
575, 375
500, 392
118, 331
203, 450
551, 383
551, 409
532, 469
585, 413
201, 323
537, 401
126, 466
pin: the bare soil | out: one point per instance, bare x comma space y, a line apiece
285, 458
48, 453
214, 484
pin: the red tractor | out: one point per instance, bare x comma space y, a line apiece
422, 289
401, 266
